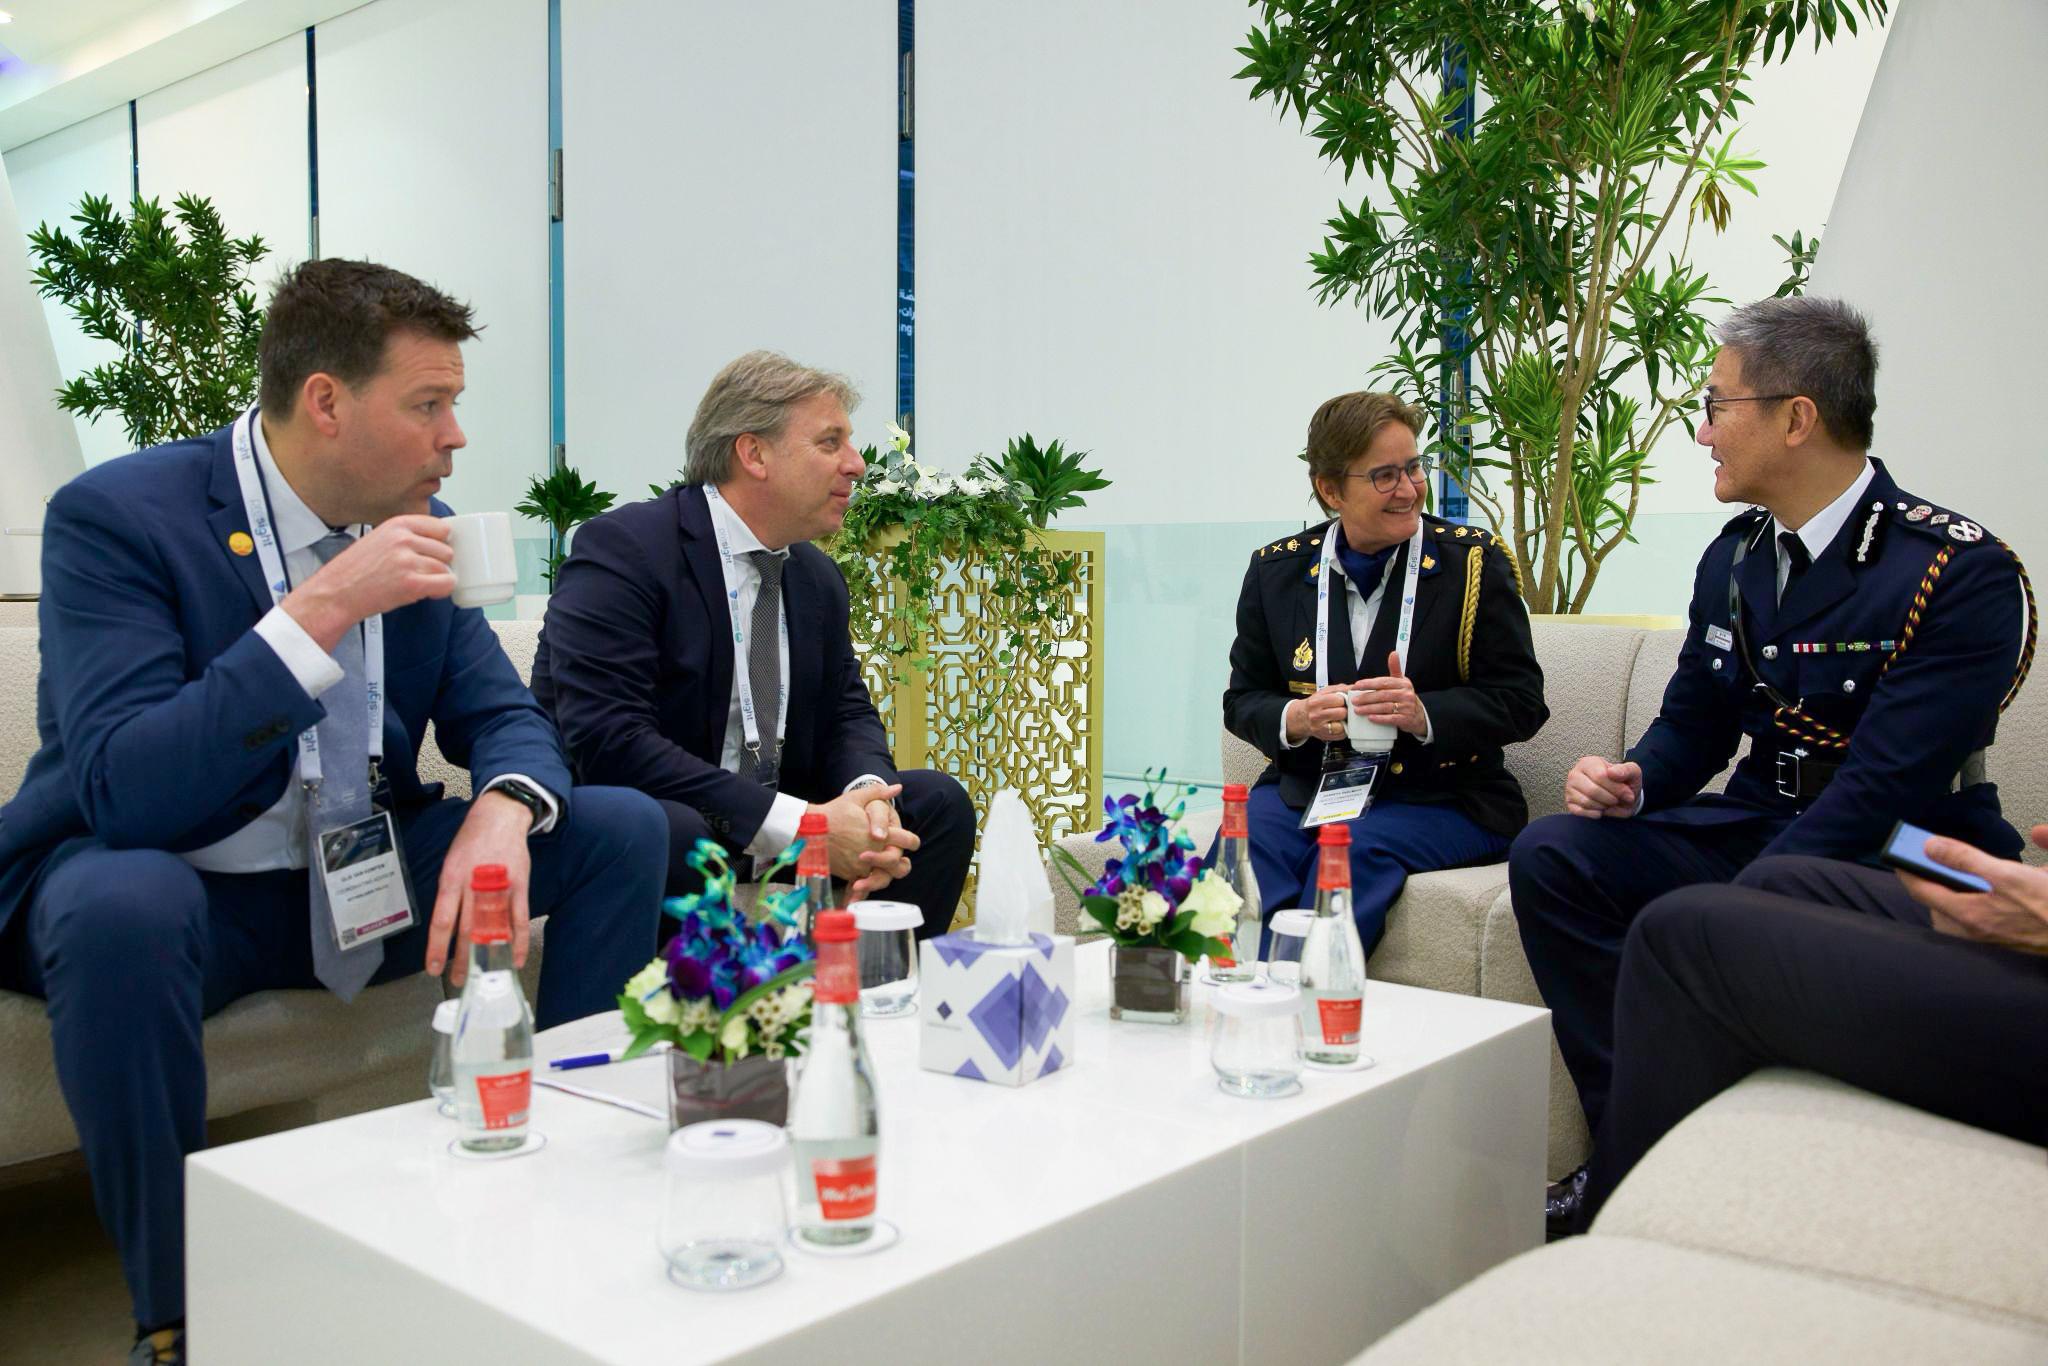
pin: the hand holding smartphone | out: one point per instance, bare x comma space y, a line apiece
1907, 849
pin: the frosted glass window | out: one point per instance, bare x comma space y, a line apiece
237, 134
731, 178
49, 176
452, 188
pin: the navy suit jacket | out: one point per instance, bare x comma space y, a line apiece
1272, 661
166, 722
636, 662
1912, 716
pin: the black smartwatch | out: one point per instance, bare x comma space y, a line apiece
526, 797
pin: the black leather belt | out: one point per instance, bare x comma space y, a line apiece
1802, 777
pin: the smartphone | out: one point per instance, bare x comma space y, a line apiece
1907, 849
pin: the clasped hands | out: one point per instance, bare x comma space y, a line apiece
870, 848
1390, 700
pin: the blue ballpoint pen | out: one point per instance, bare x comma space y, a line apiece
581, 1060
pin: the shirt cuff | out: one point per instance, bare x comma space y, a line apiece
1286, 743
778, 827
312, 666
1428, 726
551, 810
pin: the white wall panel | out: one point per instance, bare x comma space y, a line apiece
237, 134
1936, 235
1112, 246
454, 191
731, 180
49, 177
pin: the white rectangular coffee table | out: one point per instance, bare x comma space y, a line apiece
1124, 1209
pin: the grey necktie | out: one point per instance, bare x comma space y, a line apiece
342, 797
764, 670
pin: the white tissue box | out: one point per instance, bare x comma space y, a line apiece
996, 1012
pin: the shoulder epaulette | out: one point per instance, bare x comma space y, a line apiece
1746, 520
1307, 542
1937, 522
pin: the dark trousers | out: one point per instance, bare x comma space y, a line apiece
1578, 884
1718, 982
132, 948
1388, 843
932, 806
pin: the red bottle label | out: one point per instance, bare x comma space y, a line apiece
1235, 826
846, 1186
1333, 867
505, 1098
837, 981
1224, 962
1339, 1017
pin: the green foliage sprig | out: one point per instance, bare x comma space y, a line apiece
1049, 481
941, 519
171, 289
1799, 255
564, 500
1540, 243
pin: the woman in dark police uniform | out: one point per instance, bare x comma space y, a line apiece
1442, 797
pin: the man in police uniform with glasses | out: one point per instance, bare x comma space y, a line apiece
1863, 639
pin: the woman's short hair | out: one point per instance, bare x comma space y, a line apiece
1344, 427
753, 394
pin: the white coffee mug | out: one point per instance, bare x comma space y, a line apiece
484, 568
1367, 736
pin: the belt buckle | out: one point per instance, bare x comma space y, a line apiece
1789, 772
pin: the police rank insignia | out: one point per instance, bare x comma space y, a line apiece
1919, 514
1966, 532
1303, 655
240, 543
1937, 519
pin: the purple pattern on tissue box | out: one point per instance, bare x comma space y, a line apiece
963, 947
1000, 1021
968, 1069
1053, 1061
1044, 1007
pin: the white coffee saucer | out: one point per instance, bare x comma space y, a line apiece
535, 1141
883, 1238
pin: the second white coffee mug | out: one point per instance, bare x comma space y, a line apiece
485, 570
1367, 736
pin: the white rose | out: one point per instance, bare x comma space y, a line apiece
1152, 909
734, 1037
660, 1005
897, 436
1213, 905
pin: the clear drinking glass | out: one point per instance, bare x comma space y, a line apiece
1255, 1039
1288, 930
722, 1215
888, 956
441, 1063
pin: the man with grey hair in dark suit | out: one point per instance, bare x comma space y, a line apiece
696, 648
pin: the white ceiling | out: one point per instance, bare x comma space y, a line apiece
44, 29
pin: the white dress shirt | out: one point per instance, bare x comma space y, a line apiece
743, 589
1820, 529
273, 840
1363, 609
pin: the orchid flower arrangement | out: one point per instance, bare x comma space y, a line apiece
1157, 894
723, 987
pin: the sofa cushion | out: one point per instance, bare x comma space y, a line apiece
1836, 1180
1504, 976
1434, 930
1588, 1301
1586, 673
265, 1049
521, 640
19, 661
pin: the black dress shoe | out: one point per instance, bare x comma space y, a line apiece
1561, 1205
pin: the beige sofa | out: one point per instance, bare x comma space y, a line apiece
1455, 930
1791, 1219
273, 1048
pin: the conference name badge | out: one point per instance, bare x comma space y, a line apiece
1344, 793
364, 874
1720, 638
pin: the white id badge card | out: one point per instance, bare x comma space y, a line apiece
364, 870
1343, 794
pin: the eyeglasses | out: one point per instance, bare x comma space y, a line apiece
1386, 476
1709, 402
